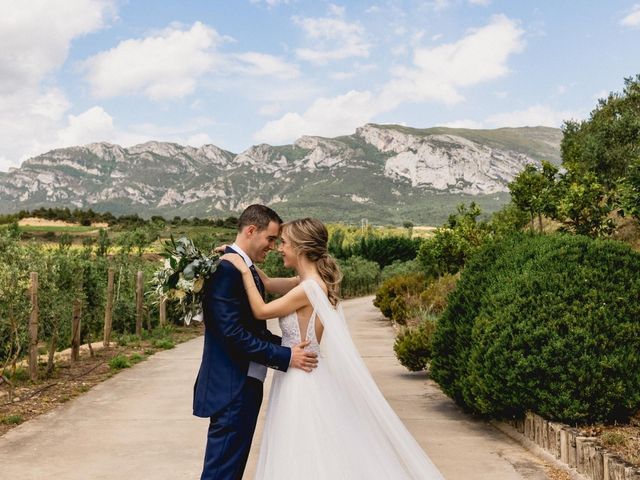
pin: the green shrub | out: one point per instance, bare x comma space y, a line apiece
394, 297
135, 358
450, 246
400, 268
20, 375
413, 345
614, 439
163, 343
119, 362
11, 420
544, 323
434, 297
162, 332
360, 276
128, 340
384, 250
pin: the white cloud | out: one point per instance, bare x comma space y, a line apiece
271, 3
355, 69
29, 121
187, 132
165, 65
333, 38
280, 92
198, 140
483, 3
36, 35
533, 116
466, 123
342, 75
439, 72
93, 125
35, 38
632, 19
437, 75
438, 5
536, 115
326, 117
261, 64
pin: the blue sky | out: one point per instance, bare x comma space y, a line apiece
236, 73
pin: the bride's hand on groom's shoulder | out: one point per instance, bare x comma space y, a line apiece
220, 249
235, 260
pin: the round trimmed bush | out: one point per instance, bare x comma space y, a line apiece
549, 324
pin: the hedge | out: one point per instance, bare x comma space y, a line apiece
549, 324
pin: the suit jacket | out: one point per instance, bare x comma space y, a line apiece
233, 338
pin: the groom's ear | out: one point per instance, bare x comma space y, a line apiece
250, 230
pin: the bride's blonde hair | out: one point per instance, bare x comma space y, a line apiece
309, 237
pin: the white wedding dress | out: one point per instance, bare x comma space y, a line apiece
334, 423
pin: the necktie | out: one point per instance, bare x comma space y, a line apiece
256, 278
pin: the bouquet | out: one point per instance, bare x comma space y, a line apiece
182, 276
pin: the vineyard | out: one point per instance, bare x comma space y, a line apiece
66, 284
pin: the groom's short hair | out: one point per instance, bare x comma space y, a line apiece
258, 215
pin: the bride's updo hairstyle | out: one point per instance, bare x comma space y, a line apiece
309, 238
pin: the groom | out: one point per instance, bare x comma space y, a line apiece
237, 351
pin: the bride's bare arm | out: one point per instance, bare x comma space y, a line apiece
295, 299
279, 285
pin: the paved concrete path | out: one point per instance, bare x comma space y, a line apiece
138, 424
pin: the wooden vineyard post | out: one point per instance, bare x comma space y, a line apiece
108, 311
33, 328
75, 330
163, 312
139, 302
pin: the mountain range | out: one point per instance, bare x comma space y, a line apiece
385, 173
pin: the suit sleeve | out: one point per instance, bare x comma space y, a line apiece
221, 299
270, 337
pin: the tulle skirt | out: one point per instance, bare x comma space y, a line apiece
315, 430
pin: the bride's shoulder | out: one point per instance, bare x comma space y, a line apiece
317, 281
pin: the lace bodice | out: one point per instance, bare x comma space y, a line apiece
291, 336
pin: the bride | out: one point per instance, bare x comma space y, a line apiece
332, 423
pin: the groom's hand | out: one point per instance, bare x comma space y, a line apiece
306, 361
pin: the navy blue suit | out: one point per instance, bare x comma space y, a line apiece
223, 392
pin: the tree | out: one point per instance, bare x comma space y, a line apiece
584, 207
534, 191
608, 143
629, 192
450, 246
409, 227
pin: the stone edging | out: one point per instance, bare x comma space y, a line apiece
564, 443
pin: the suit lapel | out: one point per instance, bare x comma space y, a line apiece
254, 274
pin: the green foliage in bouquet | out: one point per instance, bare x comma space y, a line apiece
544, 323
183, 275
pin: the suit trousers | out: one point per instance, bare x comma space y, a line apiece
230, 434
